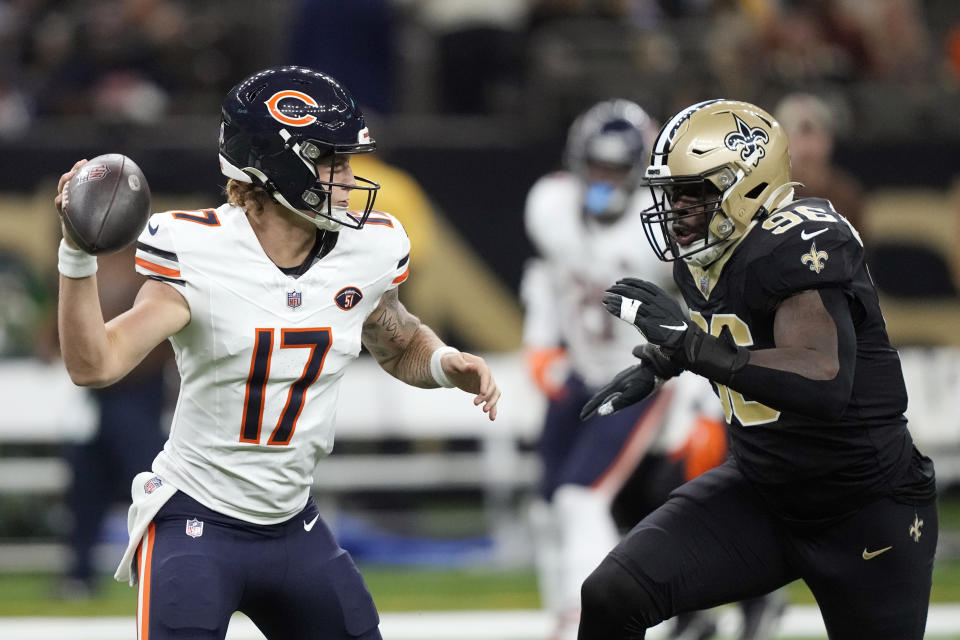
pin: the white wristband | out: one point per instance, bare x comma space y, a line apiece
75, 263
436, 368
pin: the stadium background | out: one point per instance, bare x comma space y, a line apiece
469, 102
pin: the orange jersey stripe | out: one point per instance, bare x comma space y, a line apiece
403, 276
164, 271
636, 446
145, 558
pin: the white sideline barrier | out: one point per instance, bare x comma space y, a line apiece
41, 405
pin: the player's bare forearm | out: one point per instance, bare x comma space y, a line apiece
400, 343
97, 354
83, 337
404, 346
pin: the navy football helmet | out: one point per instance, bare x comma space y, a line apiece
278, 123
607, 147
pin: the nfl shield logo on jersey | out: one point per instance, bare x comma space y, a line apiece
152, 484
294, 299
194, 528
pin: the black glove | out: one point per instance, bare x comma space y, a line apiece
663, 322
631, 385
655, 314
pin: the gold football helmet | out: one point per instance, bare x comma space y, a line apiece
715, 167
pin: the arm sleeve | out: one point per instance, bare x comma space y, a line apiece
792, 392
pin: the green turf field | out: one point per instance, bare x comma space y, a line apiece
412, 589
394, 589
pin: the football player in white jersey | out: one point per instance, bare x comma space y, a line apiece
585, 225
266, 300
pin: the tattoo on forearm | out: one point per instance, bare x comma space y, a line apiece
400, 343
389, 330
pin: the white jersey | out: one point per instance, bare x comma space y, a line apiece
263, 354
579, 259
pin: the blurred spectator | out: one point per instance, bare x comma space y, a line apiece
479, 52
896, 38
131, 60
322, 30
810, 125
25, 308
817, 41
130, 433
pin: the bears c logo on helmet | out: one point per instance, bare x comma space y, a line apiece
292, 114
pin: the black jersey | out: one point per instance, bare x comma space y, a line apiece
809, 468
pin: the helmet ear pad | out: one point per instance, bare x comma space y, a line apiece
290, 175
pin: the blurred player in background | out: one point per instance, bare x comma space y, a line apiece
823, 482
585, 224
266, 300
811, 126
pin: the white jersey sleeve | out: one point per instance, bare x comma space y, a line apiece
541, 319
263, 355
402, 271
579, 259
156, 255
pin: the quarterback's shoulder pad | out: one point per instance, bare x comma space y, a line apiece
552, 211
804, 245
388, 233
157, 250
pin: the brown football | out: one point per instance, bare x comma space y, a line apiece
108, 203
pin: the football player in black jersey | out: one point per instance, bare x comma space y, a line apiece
823, 482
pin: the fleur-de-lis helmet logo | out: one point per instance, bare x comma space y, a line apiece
749, 140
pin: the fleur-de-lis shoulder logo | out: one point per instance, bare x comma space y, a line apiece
750, 139
814, 258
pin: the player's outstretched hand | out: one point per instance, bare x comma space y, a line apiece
650, 309
471, 373
628, 387
63, 196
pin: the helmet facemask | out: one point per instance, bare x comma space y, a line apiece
304, 188
687, 220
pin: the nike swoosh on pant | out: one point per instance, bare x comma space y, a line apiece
307, 526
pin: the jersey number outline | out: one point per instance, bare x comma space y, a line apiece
748, 412
206, 217
318, 340
782, 221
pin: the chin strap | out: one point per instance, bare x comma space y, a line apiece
321, 222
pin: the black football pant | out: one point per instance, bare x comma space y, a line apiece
714, 542
197, 567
